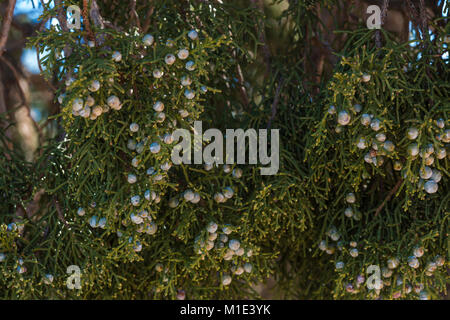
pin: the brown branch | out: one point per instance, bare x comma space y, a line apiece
276, 100
3, 108
33, 206
134, 15
95, 15
100, 22
59, 211
61, 16
413, 13
383, 19
24, 102
6, 25
16, 76
242, 89
146, 25
390, 194
86, 21
40, 28
423, 18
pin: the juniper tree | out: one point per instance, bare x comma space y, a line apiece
363, 179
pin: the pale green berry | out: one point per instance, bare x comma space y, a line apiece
344, 118
170, 59
158, 106
350, 198
183, 54
94, 86
148, 39
226, 280
412, 133
366, 77
193, 35
117, 56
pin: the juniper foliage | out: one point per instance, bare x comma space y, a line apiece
353, 189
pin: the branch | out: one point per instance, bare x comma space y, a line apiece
95, 15
61, 16
242, 89
383, 19
6, 25
390, 194
134, 15
423, 18
412, 12
58, 210
259, 4
86, 21
99, 21
33, 206
16, 76
146, 25
276, 100
3, 108
24, 102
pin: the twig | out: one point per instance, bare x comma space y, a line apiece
16, 76
259, 4
413, 13
276, 101
242, 89
146, 25
383, 19
423, 18
38, 50
59, 211
134, 14
24, 102
61, 17
95, 15
390, 194
86, 21
6, 25
33, 206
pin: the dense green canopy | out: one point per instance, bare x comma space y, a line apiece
363, 118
